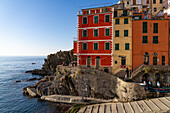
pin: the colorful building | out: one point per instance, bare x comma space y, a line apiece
122, 52
150, 42
94, 42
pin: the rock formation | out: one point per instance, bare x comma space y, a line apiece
53, 60
86, 82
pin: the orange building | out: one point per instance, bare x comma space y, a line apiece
150, 42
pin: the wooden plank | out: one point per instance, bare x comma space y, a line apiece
82, 110
95, 109
101, 109
108, 110
152, 105
114, 108
168, 98
136, 107
88, 110
160, 104
120, 108
143, 106
128, 108
165, 101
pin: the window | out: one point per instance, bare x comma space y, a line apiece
107, 32
115, 13
163, 60
95, 32
117, 33
128, 2
107, 45
160, 2
95, 46
155, 9
155, 27
145, 39
96, 19
117, 21
87, 12
126, 46
84, 46
116, 46
125, 20
84, 20
107, 18
124, 12
84, 33
115, 62
144, 27
154, 1
125, 33
155, 39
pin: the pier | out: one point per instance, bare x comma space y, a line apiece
160, 105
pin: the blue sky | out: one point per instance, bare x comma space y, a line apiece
39, 27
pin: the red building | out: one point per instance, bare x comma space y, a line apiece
94, 42
150, 41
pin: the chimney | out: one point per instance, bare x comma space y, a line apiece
165, 16
78, 12
149, 16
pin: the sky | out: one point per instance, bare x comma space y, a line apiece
40, 27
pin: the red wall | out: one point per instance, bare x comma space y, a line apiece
105, 60
138, 48
75, 47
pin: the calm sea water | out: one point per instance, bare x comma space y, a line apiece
12, 99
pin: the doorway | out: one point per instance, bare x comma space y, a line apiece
154, 60
88, 61
146, 58
97, 62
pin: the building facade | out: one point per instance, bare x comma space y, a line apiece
122, 52
150, 42
94, 42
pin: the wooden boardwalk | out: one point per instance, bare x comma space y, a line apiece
157, 105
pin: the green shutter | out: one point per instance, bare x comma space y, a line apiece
84, 46
145, 39
155, 39
117, 33
107, 46
116, 46
144, 27
95, 46
95, 32
155, 27
125, 33
126, 46
107, 18
84, 33
117, 21
84, 20
107, 32
126, 21
96, 19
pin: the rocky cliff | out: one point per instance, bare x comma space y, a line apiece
53, 60
86, 82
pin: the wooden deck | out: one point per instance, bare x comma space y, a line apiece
160, 105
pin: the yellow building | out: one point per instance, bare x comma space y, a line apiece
122, 48
156, 6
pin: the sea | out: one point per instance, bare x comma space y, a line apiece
12, 100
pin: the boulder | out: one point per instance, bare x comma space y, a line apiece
32, 92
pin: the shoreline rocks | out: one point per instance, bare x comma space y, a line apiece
87, 82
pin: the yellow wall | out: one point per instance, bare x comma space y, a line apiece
122, 40
158, 6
